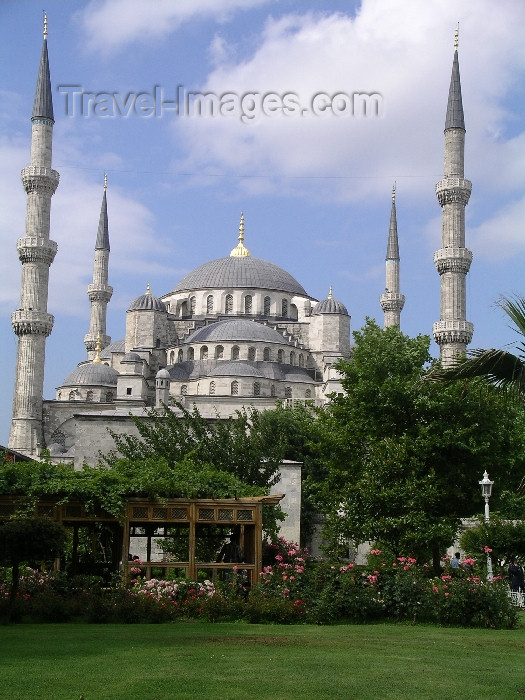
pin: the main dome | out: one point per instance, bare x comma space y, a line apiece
240, 272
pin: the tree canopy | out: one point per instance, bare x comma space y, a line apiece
403, 457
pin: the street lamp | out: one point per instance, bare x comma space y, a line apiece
486, 491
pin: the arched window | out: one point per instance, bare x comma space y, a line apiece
71, 395
248, 304
229, 304
59, 397
308, 394
204, 352
219, 352
257, 389
266, 354
184, 308
59, 438
272, 390
280, 355
193, 305
89, 396
293, 312
212, 388
235, 388
235, 352
172, 357
109, 396
180, 356
288, 392
209, 304
184, 390
251, 354
157, 343
284, 308
191, 353
267, 306
301, 360
292, 358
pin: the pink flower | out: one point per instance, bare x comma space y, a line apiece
401, 559
447, 594
411, 560
446, 577
488, 550
278, 557
435, 589
406, 568
375, 551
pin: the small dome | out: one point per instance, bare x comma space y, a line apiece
92, 374
329, 306
235, 330
132, 357
147, 302
163, 374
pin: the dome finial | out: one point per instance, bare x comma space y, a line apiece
456, 37
240, 250
394, 191
148, 289
98, 348
105, 180
45, 25
330, 294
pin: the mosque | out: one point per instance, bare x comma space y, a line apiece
235, 332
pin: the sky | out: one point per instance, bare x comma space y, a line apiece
314, 181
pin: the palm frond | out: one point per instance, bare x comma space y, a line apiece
515, 309
498, 367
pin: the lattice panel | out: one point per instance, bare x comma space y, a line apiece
244, 514
179, 513
159, 513
139, 512
225, 514
206, 514
73, 511
45, 511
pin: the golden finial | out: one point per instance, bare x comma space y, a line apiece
98, 348
45, 25
105, 181
330, 295
456, 37
394, 192
240, 250
148, 289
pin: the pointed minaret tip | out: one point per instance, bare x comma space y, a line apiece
394, 192
456, 37
455, 118
240, 250
45, 25
43, 103
105, 181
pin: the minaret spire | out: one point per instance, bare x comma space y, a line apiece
99, 292
392, 301
31, 322
453, 332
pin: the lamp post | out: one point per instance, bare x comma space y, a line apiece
486, 491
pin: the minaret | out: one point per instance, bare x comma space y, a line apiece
453, 332
31, 322
99, 292
392, 301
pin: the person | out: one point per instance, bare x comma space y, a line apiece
230, 552
454, 562
515, 575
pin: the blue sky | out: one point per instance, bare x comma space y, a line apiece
315, 190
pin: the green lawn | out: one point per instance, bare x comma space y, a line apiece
200, 660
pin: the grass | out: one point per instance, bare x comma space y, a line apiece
240, 661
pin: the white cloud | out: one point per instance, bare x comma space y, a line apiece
112, 25
502, 235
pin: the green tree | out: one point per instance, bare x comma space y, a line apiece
404, 456
506, 538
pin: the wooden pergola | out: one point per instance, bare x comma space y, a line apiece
172, 537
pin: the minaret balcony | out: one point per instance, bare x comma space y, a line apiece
453, 260
30, 322
392, 301
453, 190
454, 331
37, 178
35, 249
99, 292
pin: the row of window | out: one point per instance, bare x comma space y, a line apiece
74, 395
228, 306
204, 354
256, 390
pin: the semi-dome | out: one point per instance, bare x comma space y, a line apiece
240, 272
329, 306
235, 330
147, 302
92, 374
